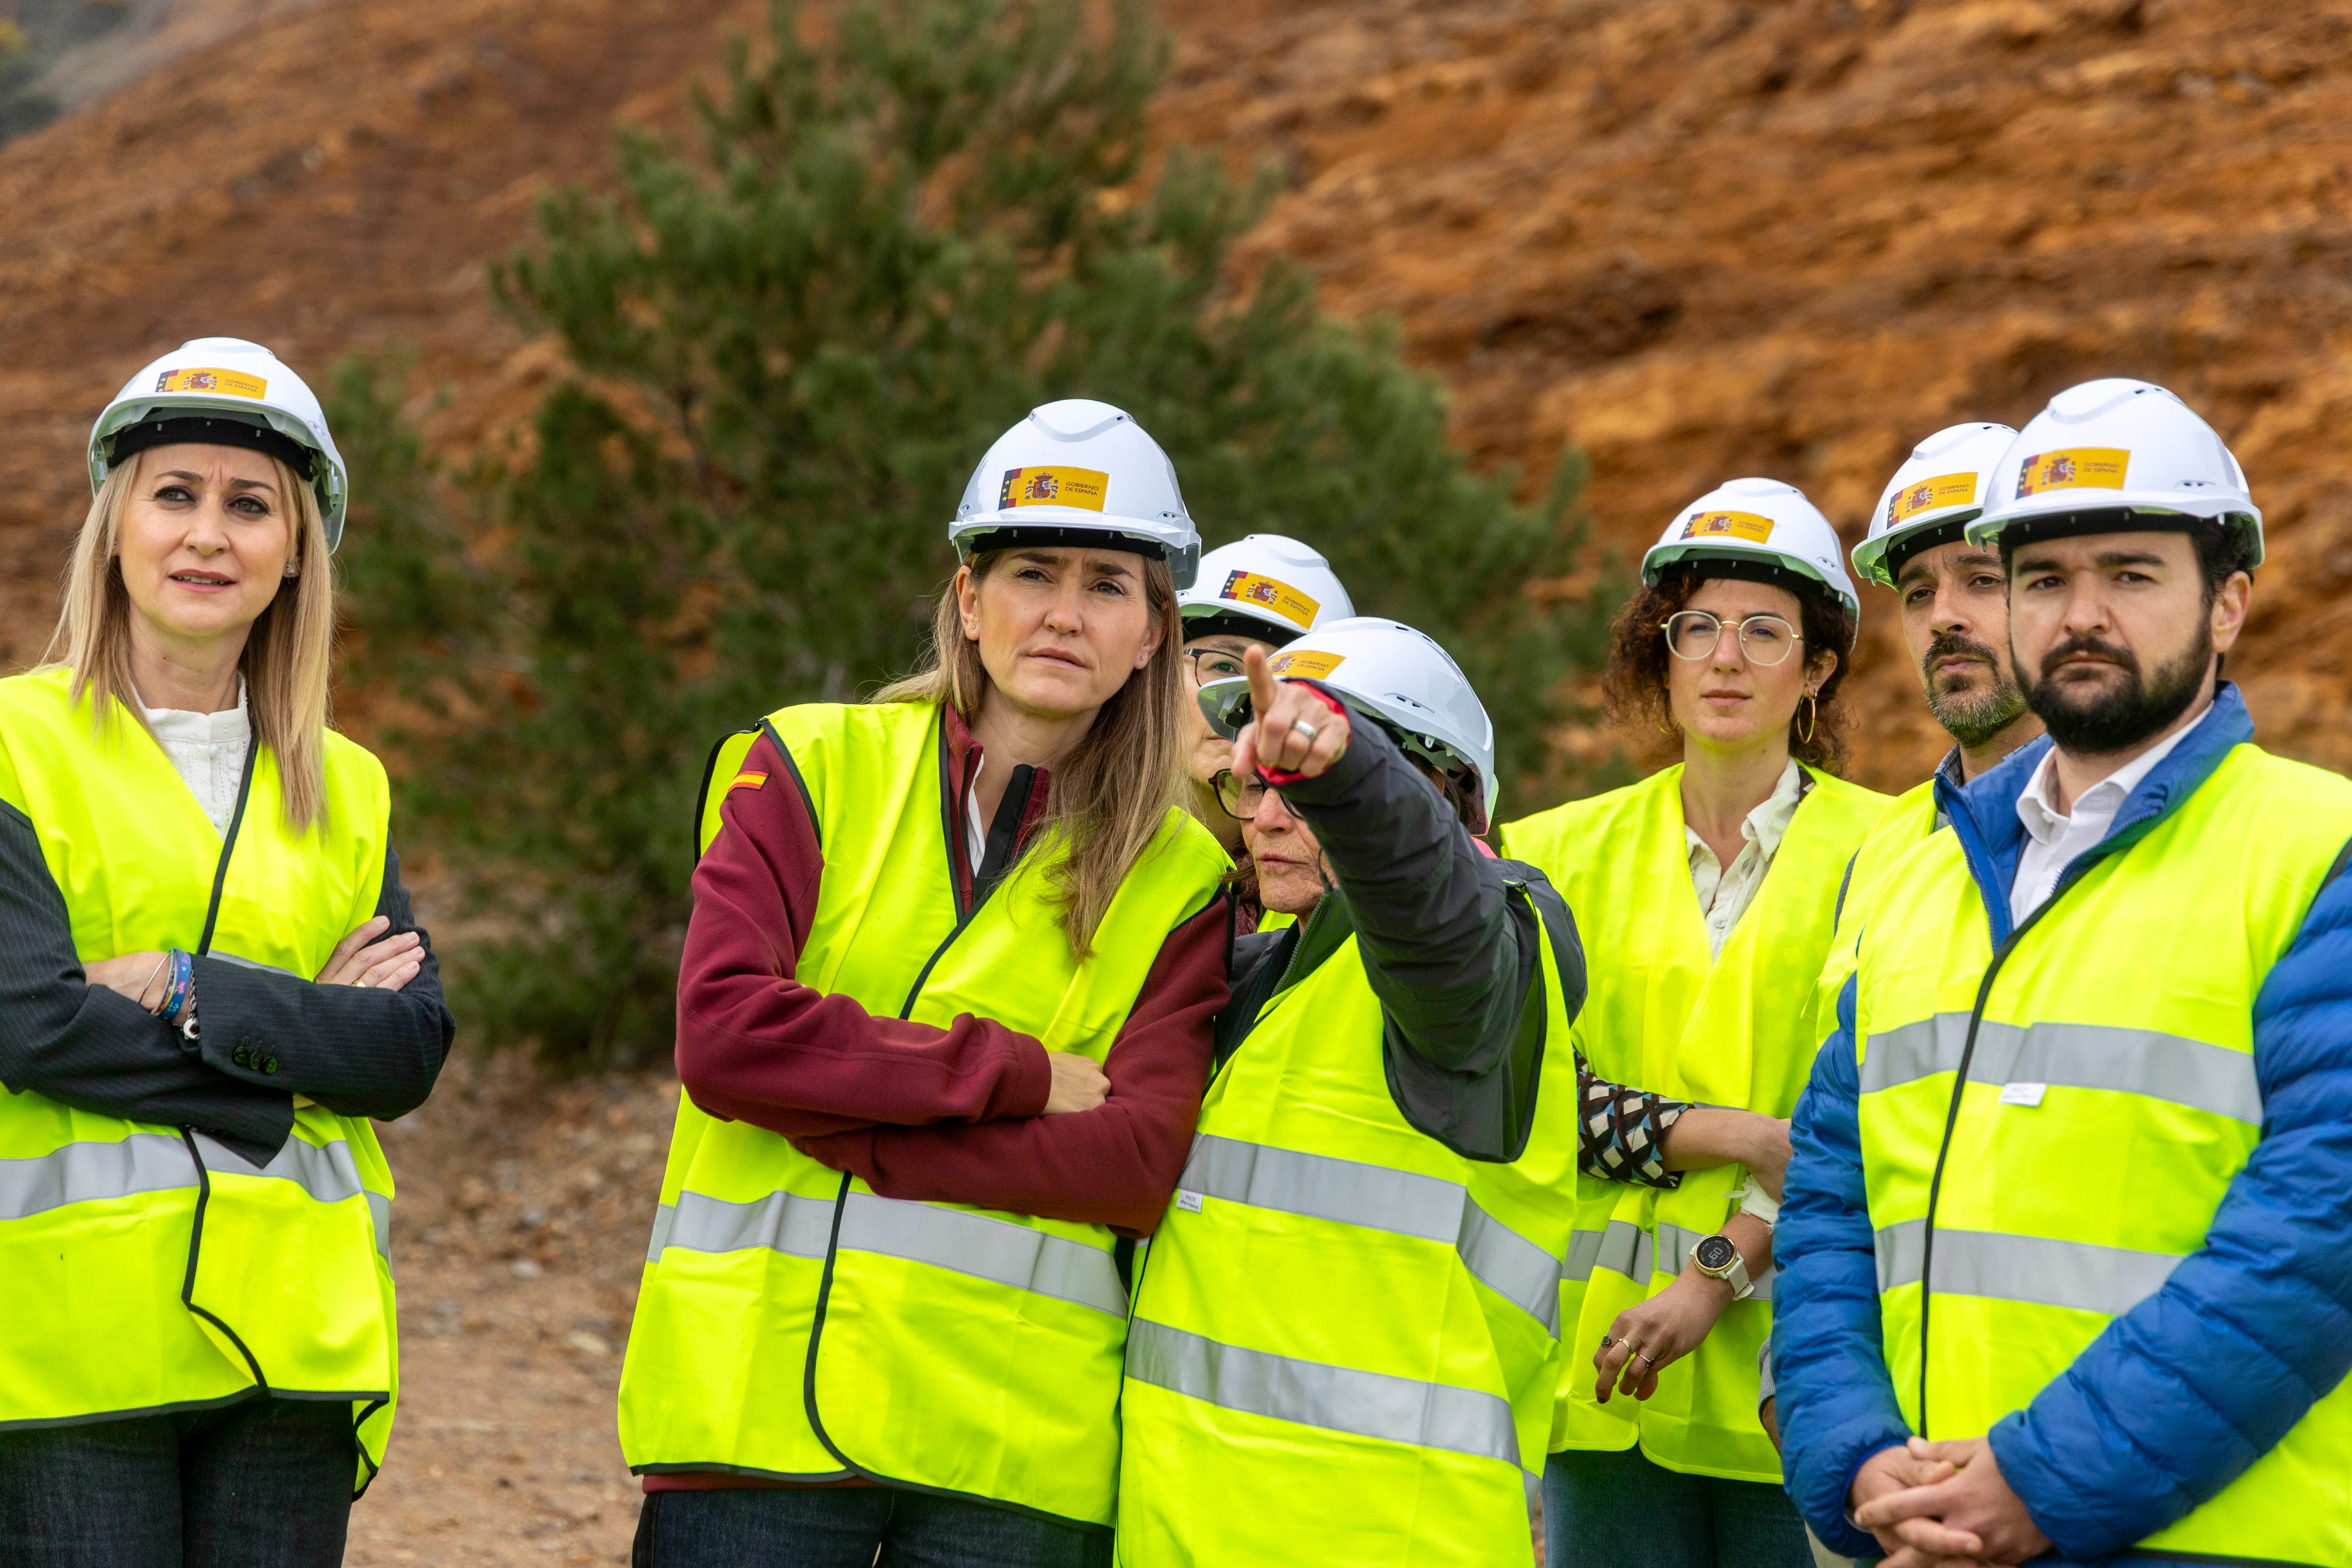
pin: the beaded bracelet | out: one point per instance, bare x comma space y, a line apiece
183, 981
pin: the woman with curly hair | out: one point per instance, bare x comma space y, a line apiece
1706, 895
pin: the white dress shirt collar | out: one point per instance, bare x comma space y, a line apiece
2054, 839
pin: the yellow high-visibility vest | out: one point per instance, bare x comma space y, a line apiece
148, 1268
795, 1323
1909, 819
1734, 1030
1345, 1339
2124, 1012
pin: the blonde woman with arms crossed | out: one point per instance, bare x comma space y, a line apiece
209, 983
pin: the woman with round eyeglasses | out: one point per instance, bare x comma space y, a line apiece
1262, 591
1707, 896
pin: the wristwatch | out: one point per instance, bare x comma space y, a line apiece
1718, 1258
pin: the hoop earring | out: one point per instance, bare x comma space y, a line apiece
1813, 713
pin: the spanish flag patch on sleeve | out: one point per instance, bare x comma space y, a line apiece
747, 781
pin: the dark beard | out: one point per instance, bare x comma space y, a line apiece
1973, 721
2117, 719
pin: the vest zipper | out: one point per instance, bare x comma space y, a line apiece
1952, 1112
951, 825
188, 1133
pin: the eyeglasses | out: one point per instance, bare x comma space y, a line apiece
1696, 633
1209, 664
1240, 801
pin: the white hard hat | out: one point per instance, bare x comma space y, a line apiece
1393, 675
2112, 447
1932, 498
1268, 586
1762, 529
224, 392
1074, 472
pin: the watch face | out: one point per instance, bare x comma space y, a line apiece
1715, 1253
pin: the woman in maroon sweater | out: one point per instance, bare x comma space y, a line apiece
899, 1363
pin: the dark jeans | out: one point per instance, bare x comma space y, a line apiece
263, 1483
1615, 1511
846, 1527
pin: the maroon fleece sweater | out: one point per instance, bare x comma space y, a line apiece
918, 1110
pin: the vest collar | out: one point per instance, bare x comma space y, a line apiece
1984, 814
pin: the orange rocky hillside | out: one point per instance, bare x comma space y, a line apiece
1698, 239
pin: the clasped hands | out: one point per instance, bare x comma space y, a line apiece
1943, 1505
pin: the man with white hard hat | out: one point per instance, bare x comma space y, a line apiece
1955, 612
1954, 603
1264, 591
2063, 1258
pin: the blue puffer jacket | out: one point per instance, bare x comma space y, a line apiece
2179, 1395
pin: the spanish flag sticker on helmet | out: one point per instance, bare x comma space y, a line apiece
1303, 664
232, 383
1747, 525
1942, 491
1270, 594
2074, 468
1083, 487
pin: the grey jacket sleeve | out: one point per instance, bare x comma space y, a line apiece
1450, 937
357, 1052
91, 1048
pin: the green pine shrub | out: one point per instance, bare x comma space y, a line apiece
790, 343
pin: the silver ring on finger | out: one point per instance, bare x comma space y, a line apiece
1304, 728
1606, 1342
1646, 1356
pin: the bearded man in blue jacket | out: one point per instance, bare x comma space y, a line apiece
2066, 1253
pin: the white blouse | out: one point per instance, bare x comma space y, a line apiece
208, 750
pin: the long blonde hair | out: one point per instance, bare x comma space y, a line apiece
289, 650
1109, 796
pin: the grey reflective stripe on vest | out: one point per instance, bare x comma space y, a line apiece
1628, 1249
2074, 1055
158, 1161
788, 1223
1314, 1393
1375, 1197
1624, 1248
1902, 1250
2080, 1274
1002, 1252
81, 1172
329, 1174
